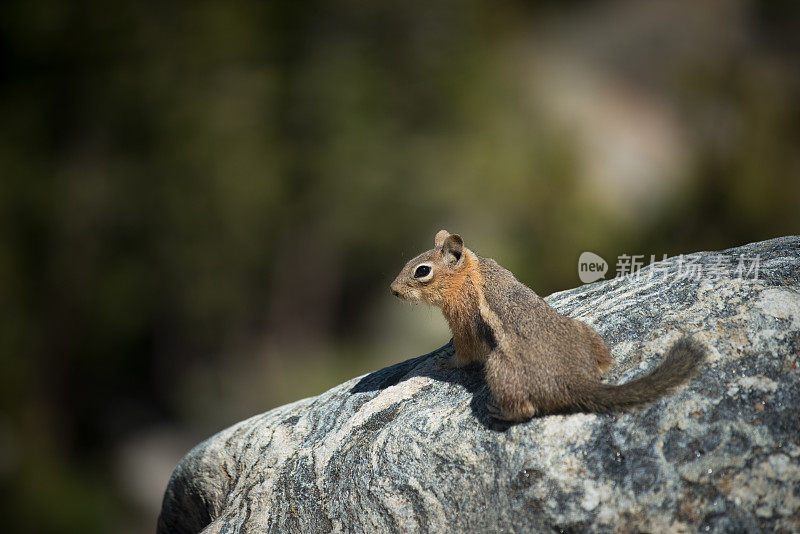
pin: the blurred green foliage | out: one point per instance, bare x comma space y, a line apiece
202, 204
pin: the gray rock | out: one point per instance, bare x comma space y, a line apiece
411, 448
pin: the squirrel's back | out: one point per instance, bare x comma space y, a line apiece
535, 328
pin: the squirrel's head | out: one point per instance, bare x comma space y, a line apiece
433, 274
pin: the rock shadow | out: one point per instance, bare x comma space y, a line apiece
431, 365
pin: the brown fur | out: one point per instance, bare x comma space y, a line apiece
536, 360
462, 291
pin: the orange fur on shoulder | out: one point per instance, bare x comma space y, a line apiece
462, 291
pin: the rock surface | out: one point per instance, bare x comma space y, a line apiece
410, 448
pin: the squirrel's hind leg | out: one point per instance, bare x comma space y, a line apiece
502, 414
508, 383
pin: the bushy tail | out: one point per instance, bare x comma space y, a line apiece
679, 365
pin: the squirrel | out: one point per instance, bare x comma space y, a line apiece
536, 360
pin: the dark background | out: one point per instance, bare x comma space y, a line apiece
202, 204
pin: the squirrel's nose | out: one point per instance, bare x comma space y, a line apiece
393, 289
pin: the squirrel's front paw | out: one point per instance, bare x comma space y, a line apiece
453, 362
449, 362
494, 410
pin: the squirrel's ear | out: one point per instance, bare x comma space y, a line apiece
441, 235
453, 248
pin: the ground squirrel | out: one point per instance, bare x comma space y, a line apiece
535, 359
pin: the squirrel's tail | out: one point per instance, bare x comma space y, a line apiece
679, 365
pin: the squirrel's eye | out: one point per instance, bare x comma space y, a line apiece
422, 271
